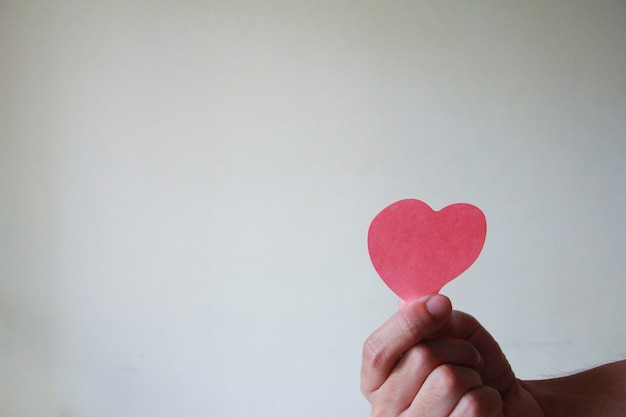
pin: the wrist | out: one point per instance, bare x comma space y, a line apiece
598, 392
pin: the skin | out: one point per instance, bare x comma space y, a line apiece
428, 360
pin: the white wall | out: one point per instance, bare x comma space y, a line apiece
186, 187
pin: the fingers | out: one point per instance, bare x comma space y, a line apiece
415, 322
456, 391
428, 360
448, 391
483, 401
412, 370
443, 390
497, 372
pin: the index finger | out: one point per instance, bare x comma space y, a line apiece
416, 321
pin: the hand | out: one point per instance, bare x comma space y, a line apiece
428, 360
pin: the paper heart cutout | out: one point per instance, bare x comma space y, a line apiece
417, 250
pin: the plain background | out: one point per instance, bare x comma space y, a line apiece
186, 187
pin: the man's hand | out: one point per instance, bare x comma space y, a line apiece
428, 360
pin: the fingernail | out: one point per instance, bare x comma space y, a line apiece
438, 306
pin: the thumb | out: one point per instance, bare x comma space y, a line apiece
418, 320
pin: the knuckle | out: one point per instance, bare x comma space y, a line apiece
375, 353
446, 375
422, 356
456, 378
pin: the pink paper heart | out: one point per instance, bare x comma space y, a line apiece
416, 250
